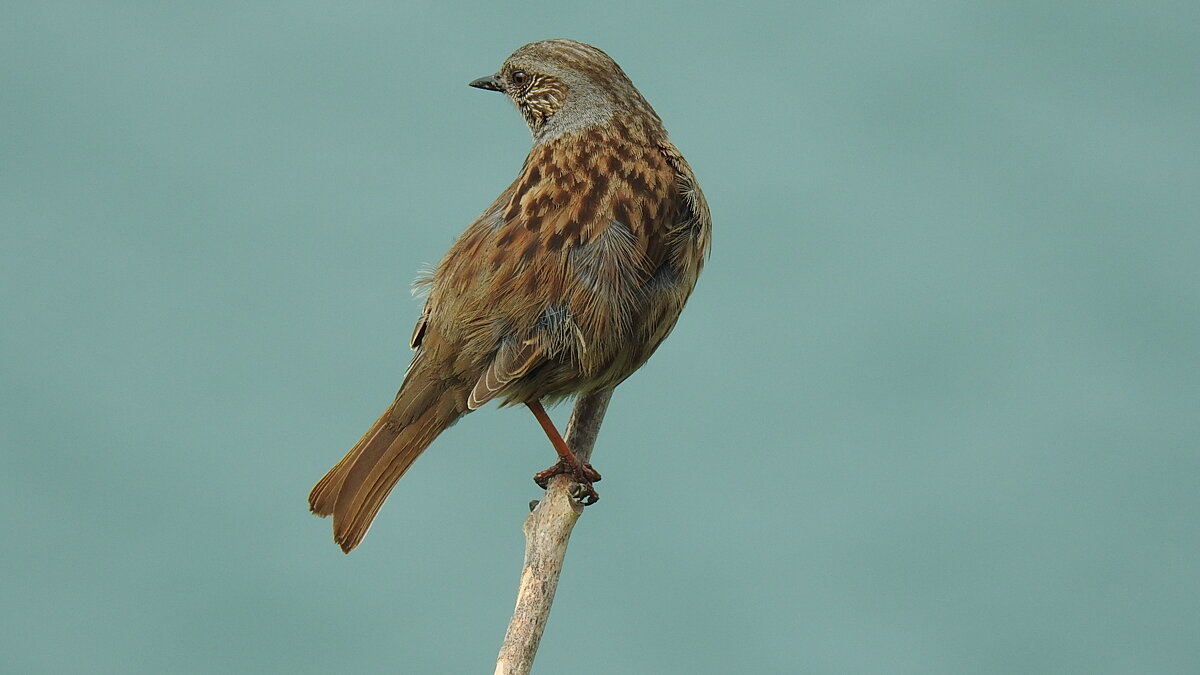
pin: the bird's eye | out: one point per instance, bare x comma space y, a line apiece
519, 77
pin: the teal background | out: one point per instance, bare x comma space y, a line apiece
932, 409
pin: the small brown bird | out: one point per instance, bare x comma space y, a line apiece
564, 286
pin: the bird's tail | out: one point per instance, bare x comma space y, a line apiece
356, 487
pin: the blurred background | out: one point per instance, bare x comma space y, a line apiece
932, 409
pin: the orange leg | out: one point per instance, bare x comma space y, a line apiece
568, 463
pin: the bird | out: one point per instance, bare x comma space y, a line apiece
564, 286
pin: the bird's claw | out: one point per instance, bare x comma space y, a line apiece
583, 476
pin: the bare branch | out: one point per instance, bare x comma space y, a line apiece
547, 530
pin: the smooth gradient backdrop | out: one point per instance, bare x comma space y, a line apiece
933, 408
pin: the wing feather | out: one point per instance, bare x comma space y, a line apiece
513, 360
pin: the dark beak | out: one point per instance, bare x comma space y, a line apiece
491, 83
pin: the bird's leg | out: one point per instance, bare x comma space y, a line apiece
568, 463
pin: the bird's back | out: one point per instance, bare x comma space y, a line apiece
588, 257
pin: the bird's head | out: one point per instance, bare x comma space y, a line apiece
564, 85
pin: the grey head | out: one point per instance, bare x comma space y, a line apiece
563, 85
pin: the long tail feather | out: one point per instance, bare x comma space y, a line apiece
324, 495
357, 486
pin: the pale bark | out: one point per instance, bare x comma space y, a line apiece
547, 530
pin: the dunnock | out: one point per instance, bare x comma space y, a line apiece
565, 285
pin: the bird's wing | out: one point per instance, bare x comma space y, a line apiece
513, 360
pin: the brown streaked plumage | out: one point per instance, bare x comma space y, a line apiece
565, 285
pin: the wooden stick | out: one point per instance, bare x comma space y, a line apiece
547, 530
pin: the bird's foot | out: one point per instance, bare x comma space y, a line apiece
581, 473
